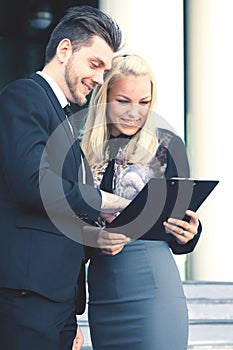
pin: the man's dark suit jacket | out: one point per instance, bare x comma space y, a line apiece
34, 254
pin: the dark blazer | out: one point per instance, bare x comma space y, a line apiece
35, 252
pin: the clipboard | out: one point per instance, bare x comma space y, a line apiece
156, 202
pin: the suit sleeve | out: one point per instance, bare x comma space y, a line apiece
26, 126
178, 166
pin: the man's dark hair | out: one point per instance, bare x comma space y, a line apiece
79, 25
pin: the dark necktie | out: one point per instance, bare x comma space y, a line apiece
67, 110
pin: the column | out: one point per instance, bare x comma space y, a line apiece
209, 132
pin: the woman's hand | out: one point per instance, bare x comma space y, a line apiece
111, 243
78, 340
183, 231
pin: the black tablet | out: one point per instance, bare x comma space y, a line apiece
160, 199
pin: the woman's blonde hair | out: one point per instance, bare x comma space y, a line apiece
96, 132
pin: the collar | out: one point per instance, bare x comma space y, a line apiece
56, 89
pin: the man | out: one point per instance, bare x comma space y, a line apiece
40, 256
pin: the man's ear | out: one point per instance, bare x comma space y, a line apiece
64, 50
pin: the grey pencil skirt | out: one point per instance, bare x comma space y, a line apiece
136, 299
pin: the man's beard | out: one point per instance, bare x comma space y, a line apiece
77, 98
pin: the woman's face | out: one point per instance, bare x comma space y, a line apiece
129, 100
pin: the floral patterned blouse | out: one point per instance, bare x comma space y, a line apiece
127, 180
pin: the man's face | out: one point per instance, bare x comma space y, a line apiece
85, 69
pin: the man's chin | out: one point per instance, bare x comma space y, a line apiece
81, 100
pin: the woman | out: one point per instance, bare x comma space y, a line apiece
136, 299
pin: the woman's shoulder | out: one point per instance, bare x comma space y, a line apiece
165, 136
168, 140
166, 132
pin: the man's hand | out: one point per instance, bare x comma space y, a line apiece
111, 203
78, 340
108, 217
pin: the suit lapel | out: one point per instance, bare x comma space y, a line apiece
51, 95
61, 115
77, 151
